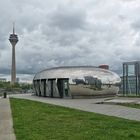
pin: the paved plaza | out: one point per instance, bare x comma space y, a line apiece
91, 105
6, 122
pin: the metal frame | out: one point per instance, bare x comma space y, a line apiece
126, 77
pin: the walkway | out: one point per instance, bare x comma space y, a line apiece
89, 105
6, 123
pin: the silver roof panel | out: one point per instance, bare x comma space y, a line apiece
74, 72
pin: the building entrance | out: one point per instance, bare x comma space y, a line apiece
63, 87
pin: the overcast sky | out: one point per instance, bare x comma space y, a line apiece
69, 32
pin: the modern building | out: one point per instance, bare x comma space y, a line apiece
17, 79
13, 40
104, 67
2, 79
76, 82
131, 78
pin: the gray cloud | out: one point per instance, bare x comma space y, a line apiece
68, 18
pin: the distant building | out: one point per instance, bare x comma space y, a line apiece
104, 67
17, 80
2, 79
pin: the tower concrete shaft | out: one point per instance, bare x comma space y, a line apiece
13, 40
13, 71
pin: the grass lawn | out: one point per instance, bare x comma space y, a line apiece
133, 105
40, 121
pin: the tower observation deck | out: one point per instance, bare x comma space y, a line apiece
13, 40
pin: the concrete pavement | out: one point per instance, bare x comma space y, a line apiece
6, 122
89, 105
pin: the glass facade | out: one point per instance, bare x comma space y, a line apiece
131, 78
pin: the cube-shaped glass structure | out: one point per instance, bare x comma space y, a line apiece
131, 78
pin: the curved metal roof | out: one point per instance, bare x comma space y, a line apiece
79, 72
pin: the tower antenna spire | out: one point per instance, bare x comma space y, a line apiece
13, 27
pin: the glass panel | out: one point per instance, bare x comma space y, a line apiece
66, 88
48, 88
131, 70
55, 89
42, 87
124, 69
131, 85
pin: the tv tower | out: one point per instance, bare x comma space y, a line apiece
13, 40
